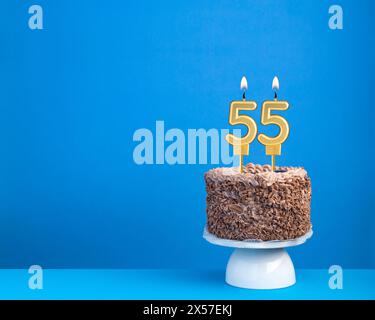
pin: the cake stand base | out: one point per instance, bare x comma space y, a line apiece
260, 269
258, 264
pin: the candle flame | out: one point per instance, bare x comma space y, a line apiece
275, 84
243, 83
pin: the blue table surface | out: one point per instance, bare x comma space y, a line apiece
176, 284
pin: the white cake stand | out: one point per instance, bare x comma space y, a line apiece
259, 264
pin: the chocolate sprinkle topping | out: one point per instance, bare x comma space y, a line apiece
258, 204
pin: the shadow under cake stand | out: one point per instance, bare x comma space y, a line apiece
259, 264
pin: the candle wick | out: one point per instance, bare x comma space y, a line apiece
244, 95
275, 95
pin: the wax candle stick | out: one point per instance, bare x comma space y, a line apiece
273, 144
241, 144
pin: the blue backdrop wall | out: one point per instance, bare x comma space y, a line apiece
73, 94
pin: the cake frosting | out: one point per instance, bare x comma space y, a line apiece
258, 204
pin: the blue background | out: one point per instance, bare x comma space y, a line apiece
177, 284
73, 94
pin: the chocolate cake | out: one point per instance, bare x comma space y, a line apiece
258, 204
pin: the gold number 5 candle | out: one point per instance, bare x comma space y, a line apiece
241, 144
273, 144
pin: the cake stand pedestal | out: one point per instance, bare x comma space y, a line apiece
259, 264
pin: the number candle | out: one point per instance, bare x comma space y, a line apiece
273, 145
241, 145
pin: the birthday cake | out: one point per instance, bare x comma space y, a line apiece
258, 204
